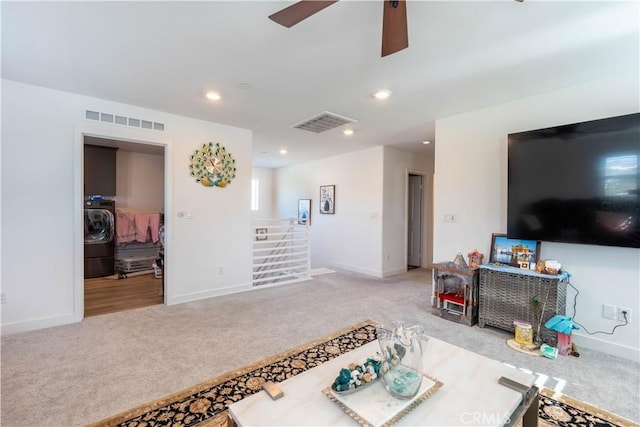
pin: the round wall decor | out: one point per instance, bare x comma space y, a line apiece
212, 165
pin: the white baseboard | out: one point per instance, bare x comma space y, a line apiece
179, 299
389, 273
42, 323
602, 346
368, 272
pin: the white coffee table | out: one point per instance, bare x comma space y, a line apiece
470, 394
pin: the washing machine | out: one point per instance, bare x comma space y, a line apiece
99, 238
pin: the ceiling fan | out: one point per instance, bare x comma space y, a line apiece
394, 20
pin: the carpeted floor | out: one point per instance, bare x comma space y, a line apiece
76, 374
207, 403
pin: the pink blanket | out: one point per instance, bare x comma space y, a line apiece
137, 227
125, 228
147, 225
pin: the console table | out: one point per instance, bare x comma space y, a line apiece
455, 292
506, 294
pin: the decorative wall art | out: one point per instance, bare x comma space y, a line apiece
212, 165
513, 252
327, 199
261, 234
304, 211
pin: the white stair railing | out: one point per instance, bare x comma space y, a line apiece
281, 252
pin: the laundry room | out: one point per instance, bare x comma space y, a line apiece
124, 225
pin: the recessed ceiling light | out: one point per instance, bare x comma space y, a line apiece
283, 151
214, 96
348, 131
382, 94
426, 142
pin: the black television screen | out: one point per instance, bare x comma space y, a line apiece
577, 183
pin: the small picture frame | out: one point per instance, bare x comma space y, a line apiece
304, 211
513, 252
261, 234
327, 199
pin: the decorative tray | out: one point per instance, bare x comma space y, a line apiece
373, 406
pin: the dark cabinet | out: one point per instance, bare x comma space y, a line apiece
99, 170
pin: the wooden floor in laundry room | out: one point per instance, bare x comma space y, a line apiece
108, 295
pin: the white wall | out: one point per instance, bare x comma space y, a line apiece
397, 165
139, 182
42, 133
352, 237
471, 182
371, 203
266, 194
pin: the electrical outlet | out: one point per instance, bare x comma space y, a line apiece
621, 314
609, 311
221, 270
3, 297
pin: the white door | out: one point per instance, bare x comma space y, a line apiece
414, 237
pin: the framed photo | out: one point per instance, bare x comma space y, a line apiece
304, 211
327, 199
261, 234
513, 252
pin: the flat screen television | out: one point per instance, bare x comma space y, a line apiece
577, 183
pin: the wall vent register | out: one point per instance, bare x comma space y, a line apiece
99, 116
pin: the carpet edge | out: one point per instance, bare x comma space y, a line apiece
162, 401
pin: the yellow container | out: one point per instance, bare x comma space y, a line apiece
524, 332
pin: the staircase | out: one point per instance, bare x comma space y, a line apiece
280, 251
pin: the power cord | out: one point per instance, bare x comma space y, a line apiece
575, 300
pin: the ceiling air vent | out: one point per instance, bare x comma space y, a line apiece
323, 121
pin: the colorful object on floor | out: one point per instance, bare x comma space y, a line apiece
562, 324
564, 344
212, 165
523, 332
548, 351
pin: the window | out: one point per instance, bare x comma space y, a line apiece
255, 194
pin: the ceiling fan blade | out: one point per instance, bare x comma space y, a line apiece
290, 16
394, 27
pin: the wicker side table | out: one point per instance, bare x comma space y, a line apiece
506, 294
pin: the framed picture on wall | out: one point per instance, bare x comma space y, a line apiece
513, 252
304, 211
261, 234
327, 199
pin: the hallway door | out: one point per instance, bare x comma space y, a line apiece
414, 229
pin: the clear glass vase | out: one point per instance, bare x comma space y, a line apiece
402, 349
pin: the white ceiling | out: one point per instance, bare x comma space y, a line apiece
462, 56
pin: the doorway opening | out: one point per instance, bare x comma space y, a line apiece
128, 270
415, 226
